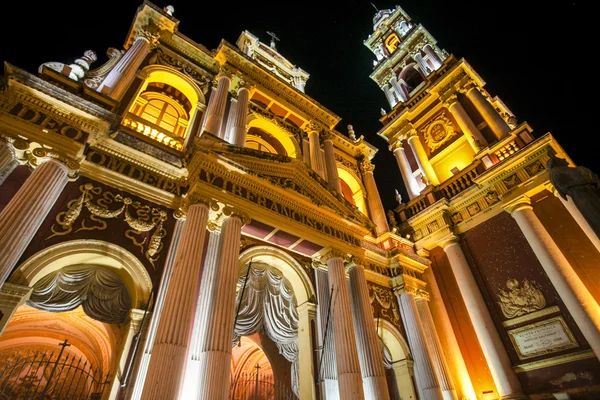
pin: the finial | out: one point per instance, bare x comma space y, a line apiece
351, 132
398, 197
383, 113
273, 39
169, 10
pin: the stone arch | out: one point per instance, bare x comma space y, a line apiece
411, 76
287, 140
162, 73
355, 185
393, 340
94, 252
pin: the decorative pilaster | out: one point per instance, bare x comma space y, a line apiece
348, 367
307, 312
455, 360
412, 187
327, 374
7, 161
487, 111
330, 163
422, 159
241, 113
216, 331
504, 377
23, 215
367, 341
435, 350
316, 160
216, 108
467, 126
428, 382
120, 77
12, 296
374, 201
580, 303
174, 329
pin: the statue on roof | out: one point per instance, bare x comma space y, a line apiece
273, 39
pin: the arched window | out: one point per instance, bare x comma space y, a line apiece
260, 139
412, 77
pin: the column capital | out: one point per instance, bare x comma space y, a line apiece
194, 198
518, 204
223, 73
467, 87
40, 155
327, 136
311, 127
332, 253
135, 318
366, 166
450, 100
234, 212
406, 288
448, 241
151, 36
397, 145
357, 262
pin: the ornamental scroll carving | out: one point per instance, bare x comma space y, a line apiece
103, 205
386, 299
521, 298
438, 133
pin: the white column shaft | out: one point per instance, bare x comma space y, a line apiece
120, 77
306, 373
489, 113
316, 161
166, 368
428, 382
422, 160
228, 132
241, 114
402, 94
216, 109
435, 60
435, 350
468, 127
389, 95
327, 364
421, 62
579, 301
348, 366
581, 221
23, 215
332, 172
367, 341
412, 187
7, 161
216, 332
374, 202
494, 352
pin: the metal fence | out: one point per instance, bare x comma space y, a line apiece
257, 386
53, 375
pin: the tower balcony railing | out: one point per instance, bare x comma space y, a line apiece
154, 132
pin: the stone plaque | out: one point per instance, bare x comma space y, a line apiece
544, 337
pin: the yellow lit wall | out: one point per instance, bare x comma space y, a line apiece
459, 155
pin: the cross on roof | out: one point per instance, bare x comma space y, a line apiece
273, 39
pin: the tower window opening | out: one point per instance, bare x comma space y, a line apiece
412, 77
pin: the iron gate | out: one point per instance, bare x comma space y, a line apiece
49, 376
257, 386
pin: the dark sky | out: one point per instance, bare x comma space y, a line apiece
534, 55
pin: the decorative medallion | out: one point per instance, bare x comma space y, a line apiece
520, 298
438, 133
474, 209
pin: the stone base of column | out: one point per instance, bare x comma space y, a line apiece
375, 387
214, 375
449, 394
432, 394
173, 358
332, 391
350, 385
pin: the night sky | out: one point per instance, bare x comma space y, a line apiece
535, 57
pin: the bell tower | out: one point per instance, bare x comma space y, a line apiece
442, 124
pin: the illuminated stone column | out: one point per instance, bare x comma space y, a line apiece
435, 350
215, 335
348, 366
412, 187
120, 77
505, 378
487, 111
330, 163
327, 374
316, 161
389, 95
228, 131
215, 111
428, 382
401, 92
367, 341
580, 219
435, 60
448, 340
25, 212
7, 161
190, 382
422, 160
307, 312
241, 114
467, 126
171, 344
374, 201
421, 62
580, 303
12, 296
142, 368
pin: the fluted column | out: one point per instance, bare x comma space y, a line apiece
7, 161
435, 350
23, 215
316, 161
422, 160
348, 366
171, 344
306, 373
120, 77
216, 107
467, 126
400, 92
504, 377
327, 374
428, 382
190, 382
159, 300
218, 305
421, 62
241, 114
389, 95
448, 341
435, 60
367, 341
412, 187
374, 201
579, 301
228, 131
332, 172
487, 111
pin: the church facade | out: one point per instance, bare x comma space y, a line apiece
186, 223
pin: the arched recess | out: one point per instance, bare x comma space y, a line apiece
412, 77
289, 267
355, 185
393, 340
88, 252
287, 140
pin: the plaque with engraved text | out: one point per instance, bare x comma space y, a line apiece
544, 337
